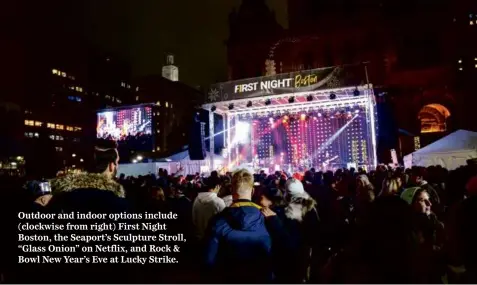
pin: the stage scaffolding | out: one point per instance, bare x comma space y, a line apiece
326, 90
273, 105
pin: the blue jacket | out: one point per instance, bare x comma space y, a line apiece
238, 246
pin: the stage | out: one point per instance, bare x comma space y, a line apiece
297, 121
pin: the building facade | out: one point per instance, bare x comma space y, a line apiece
174, 106
420, 56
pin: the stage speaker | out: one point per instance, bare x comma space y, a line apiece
197, 142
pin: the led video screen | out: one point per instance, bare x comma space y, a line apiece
123, 124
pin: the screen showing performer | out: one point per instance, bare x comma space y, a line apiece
122, 124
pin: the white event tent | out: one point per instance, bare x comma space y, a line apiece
171, 164
450, 151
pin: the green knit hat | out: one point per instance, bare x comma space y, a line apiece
409, 193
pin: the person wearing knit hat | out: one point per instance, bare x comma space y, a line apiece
419, 199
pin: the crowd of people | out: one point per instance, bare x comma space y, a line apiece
349, 226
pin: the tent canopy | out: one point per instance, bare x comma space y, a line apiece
184, 156
450, 152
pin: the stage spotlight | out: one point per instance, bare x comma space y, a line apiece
243, 131
309, 98
249, 104
291, 100
231, 106
319, 114
356, 92
213, 108
302, 117
315, 118
268, 102
284, 121
332, 96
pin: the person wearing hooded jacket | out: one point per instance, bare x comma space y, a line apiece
238, 245
206, 205
302, 222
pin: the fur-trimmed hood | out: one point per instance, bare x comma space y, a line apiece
72, 182
298, 207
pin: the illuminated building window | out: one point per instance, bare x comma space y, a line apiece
60, 127
471, 23
38, 124
54, 71
459, 61
58, 149
123, 84
171, 105
167, 104
63, 74
107, 96
417, 143
137, 88
73, 78
68, 128
29, 123
77, 129
158, 148
119, 101
137, 98
50, 126
158, 103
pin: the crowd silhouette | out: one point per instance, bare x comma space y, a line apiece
388, 225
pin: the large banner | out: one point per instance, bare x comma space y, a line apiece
303, 81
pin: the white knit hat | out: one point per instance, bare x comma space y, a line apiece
294, 187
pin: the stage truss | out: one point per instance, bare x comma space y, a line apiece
273, 105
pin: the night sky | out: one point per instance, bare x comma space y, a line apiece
143, 31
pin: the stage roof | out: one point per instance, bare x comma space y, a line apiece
309, 88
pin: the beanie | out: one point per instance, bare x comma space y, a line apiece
294, 187
409, 193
